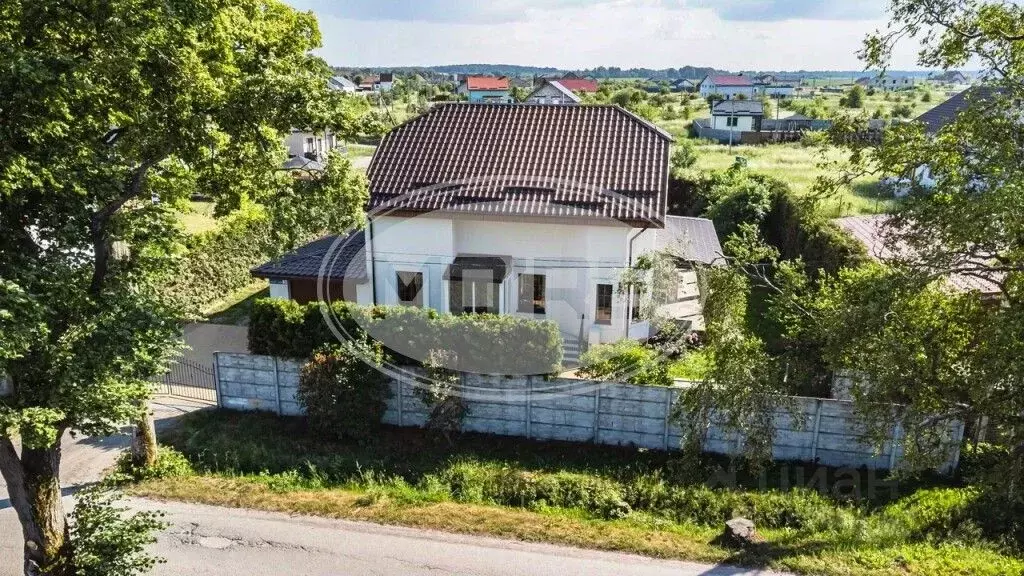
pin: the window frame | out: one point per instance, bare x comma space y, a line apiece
599, 309
423, 287
528, 303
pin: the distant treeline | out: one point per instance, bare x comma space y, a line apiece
692, 72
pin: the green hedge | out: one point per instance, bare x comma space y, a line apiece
218, 262
484, 344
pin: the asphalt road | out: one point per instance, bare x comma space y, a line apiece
205, 540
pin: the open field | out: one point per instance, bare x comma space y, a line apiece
798, 166
646, 502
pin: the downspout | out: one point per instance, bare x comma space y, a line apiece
629, 299
373, 259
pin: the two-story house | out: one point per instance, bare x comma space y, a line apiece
552, 92
727, 86
526, 209
486, 89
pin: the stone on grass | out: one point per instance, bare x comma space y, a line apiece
742, 533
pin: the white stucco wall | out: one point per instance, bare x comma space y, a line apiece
743, 123
727, 92
574, 258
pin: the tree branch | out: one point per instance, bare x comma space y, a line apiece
100, 220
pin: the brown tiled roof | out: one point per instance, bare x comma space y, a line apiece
525, 159
872, 232
945, 113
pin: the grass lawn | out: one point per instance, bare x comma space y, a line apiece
798, 166
646, 502
234, 309
198, 218
360, 150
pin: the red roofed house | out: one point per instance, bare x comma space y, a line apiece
588, 85
489, 89
727, 86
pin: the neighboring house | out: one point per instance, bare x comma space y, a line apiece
727, 86
890, 83
737, 115
864, 81
530, 210
552, 92
684, 85
951, 77
312, 145
384, 83
487, 89
775, 90
872, 232
572, 81
936, 119
342, 84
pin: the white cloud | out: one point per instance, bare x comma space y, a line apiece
575, 34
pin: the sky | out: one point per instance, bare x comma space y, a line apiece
580, 34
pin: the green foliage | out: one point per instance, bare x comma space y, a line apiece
483, 344
598, 482
625, 361
695, 366
441, 394
113, 113
219, 261
743, 388
855, 97
791, 224
684, 157
107, 541
170, 463
902, 111
343, 391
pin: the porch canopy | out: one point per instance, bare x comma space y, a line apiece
499, 266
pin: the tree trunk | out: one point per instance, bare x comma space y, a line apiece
34, 490
144, 441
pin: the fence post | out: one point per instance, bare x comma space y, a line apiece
529, 405
668, 413
897, 435
277, 386
216, 379
817, 429
401, 401
597, 413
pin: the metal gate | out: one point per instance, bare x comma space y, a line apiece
188, 379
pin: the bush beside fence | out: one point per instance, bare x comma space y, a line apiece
822, 430
482, 343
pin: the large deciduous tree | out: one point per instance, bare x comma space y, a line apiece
908, 333
105, 107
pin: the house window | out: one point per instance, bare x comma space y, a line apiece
732, 121
410, 289
476, 293
603, 312
531, 293
309, 145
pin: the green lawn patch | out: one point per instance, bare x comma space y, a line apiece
646, 502
235, 308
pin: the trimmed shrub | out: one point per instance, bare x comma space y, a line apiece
343, 392
478, 343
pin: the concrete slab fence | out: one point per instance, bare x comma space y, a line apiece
814, 430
